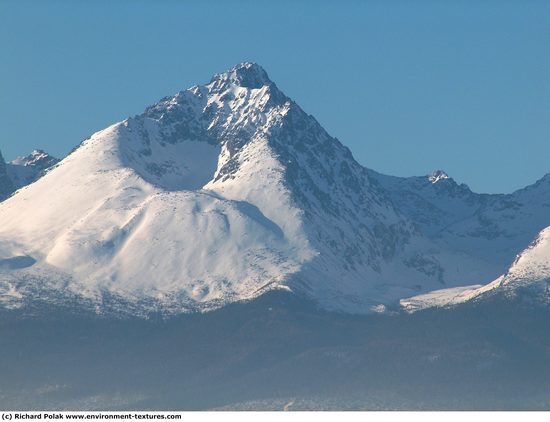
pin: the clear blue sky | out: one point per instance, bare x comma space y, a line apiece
408, 86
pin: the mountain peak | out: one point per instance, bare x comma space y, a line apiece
247, 75
234, 106
37, 158
437, 176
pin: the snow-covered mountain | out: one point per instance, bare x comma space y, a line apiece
23, 171
227, 190
496, 228
527, 277
533, 264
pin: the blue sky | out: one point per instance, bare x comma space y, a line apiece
409, 87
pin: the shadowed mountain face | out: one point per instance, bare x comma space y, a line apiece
494, 227
6, 184
278, 350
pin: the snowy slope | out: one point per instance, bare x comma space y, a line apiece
529, 274
126, 213
111, 230
225, 191
443, 298
533, 264
493, 228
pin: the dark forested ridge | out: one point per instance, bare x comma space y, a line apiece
276, 350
